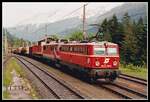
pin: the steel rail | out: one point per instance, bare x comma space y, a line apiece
59, 81
39, 79
134, 79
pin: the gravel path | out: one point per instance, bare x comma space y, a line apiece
18, 89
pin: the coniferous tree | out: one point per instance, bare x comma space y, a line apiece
107, 36
141, 34
104, 25
131, 37
115, 30
130, 42
105, 28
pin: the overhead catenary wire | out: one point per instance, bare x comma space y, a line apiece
70, 13
33, 17
62, 17
51, 15
74, 11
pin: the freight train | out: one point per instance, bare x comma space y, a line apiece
97, 60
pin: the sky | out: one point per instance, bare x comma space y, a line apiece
22, 13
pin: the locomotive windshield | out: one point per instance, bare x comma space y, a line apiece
112, 50
101, 51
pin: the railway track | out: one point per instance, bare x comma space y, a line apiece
56, 86
6, 58
126, 89
123, 92
134, 79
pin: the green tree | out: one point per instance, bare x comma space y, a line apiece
130, 42
77, 35
115, 29
107, 36
104, 25
130, 36
54, 36
141, 34
105, 28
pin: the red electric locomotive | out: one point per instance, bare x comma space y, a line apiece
96, 59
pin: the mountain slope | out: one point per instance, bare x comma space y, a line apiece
35, 32
135, 10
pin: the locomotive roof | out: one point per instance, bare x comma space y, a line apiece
93, 43
43, 40
77, 43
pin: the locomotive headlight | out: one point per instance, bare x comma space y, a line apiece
115, 63
97, 63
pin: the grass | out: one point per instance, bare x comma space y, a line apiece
137, 71
6, 95
18, 68
12, 64
33, 93
7, 77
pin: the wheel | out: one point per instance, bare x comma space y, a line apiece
91, 80
109, 80
57, 65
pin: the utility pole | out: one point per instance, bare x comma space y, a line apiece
27, 43
22, 44
45, 38
46, 29
45, 32
27, 33
6, 45
84, 18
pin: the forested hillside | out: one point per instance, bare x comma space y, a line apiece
131, 37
